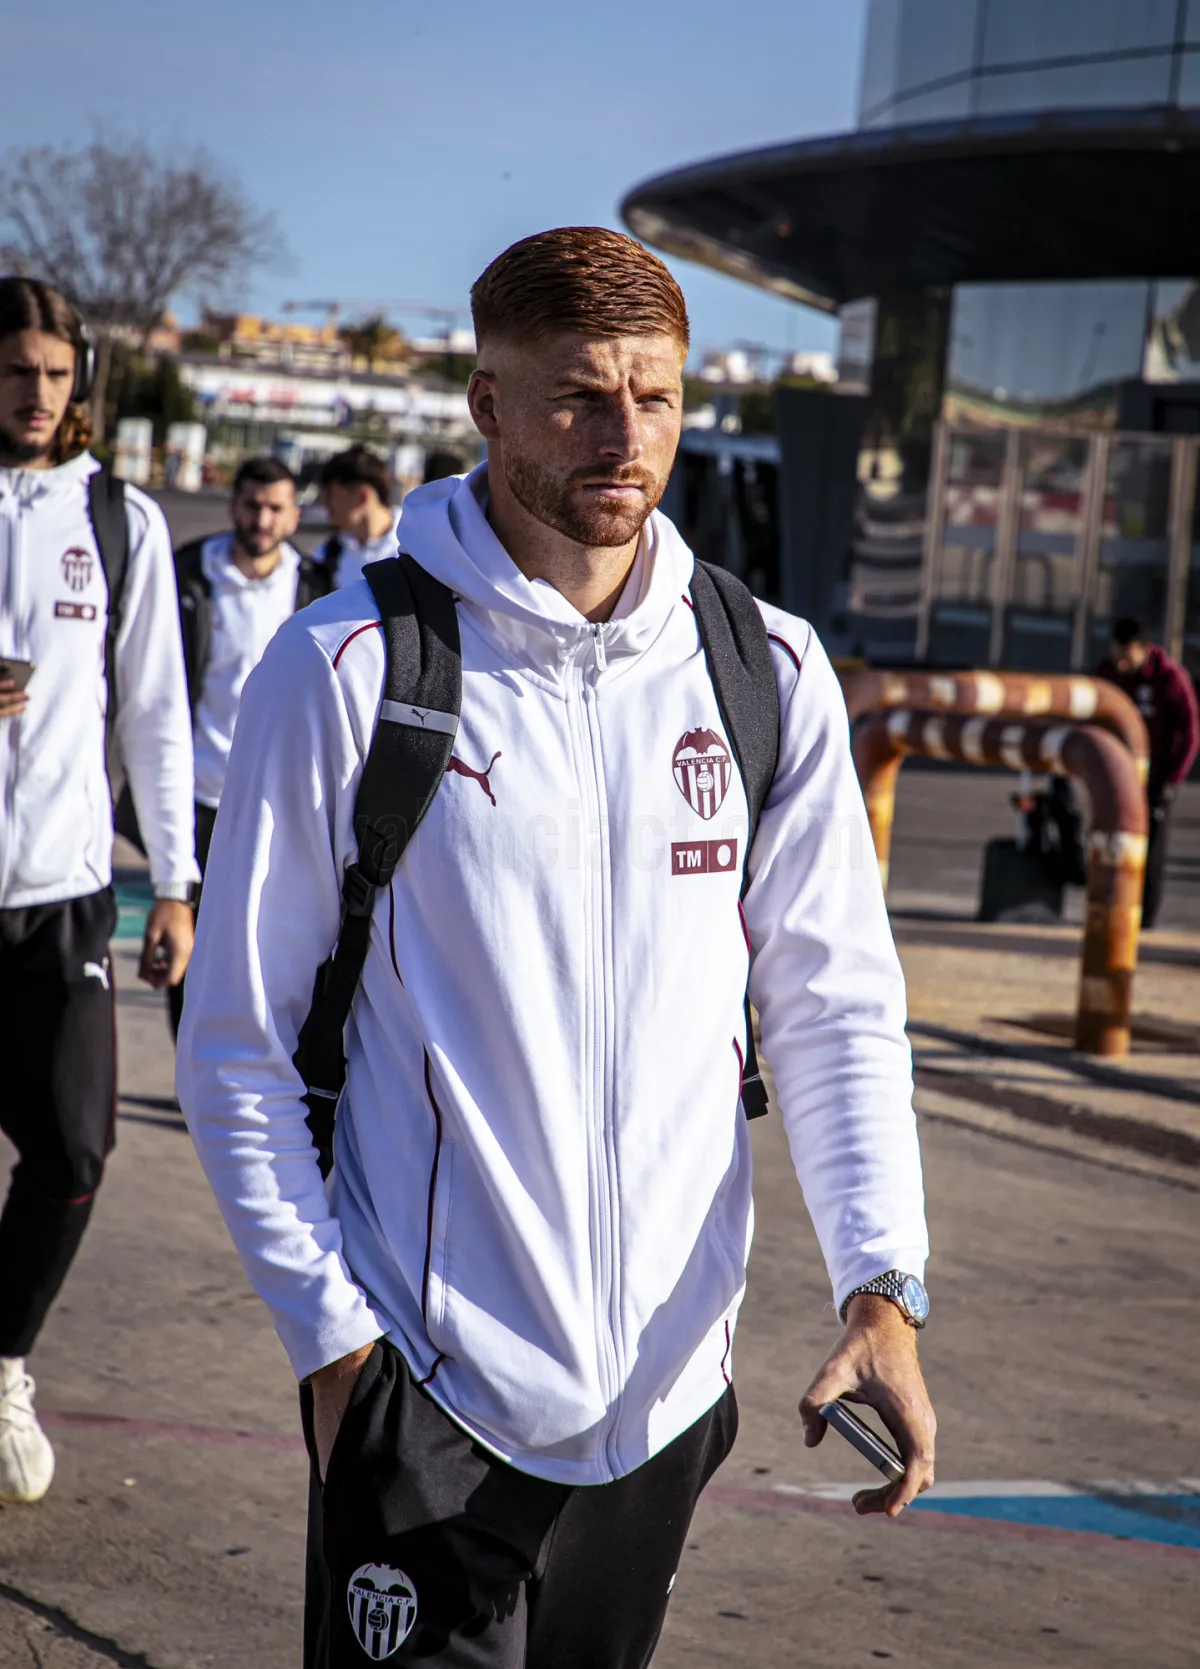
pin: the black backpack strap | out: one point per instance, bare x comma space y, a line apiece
312, 581
195, 615
406, 761
331, 556
106, 511
738, 653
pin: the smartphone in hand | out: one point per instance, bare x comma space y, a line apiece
881, 1455
19, 671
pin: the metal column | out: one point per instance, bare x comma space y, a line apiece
1090, 536
1183, 499
935, 535
1008, 527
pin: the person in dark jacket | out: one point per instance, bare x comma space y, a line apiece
1166, 698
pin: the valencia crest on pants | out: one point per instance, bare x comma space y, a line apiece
383, 1609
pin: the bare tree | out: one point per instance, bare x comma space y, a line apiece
122, 232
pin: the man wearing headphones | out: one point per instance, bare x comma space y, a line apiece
74, 649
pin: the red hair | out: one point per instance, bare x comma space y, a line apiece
577, 278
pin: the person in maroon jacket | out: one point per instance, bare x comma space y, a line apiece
1166, 698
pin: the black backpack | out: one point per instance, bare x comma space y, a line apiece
410, 751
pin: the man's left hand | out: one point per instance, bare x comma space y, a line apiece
875, 1362
167, 947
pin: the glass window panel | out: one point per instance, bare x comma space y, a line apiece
960, 620
1134, 552
1189, 78
1191, 616
1104, 82
940, 105
1025, 31
937, 39
879, 55
1191, 27
1173, 345
1034, 349
1048, 567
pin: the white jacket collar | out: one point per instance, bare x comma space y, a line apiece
445, 528
28, 485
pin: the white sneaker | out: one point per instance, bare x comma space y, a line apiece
26, 1458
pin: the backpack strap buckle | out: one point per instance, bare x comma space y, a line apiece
358, 894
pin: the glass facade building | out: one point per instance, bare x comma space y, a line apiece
1059, 361
1010, 237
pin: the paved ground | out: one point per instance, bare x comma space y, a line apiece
1064, 1353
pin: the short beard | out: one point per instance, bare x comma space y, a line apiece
15, 453
599, 526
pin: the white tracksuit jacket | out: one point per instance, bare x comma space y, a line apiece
541, 1192
56, 830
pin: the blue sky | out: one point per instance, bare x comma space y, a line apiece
403, 145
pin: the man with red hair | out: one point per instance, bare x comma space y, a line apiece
513, 1307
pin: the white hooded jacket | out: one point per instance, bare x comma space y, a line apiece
56, 832
541, 1191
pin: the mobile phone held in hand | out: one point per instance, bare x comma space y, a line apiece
19, 671
857, 1432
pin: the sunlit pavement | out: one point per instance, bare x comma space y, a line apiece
1063, 1356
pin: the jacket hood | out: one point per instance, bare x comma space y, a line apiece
31, 484
444, 526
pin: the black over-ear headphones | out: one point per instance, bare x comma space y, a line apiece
85, 369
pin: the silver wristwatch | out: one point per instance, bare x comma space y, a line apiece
905, 1291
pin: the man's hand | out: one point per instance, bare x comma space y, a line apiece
167, 947
332, 1388
13, 701
875, 1362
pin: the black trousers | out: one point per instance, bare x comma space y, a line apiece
1156, 861
206, 817
425, 1548
58, 1099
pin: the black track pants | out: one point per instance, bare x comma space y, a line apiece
58, 1097
424, 1548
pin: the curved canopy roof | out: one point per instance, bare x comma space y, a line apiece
1079, 194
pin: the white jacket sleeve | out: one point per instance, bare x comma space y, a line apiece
269, 918
154, 723
827, 984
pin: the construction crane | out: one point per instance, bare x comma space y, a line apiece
334, 309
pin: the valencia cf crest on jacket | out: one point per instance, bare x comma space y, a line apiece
383, 1609
702, 766
77, 567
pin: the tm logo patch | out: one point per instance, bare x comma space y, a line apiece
703, 857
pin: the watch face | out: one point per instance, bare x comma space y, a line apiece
914, 1298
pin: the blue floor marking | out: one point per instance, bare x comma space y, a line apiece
133, 906
1172, 1519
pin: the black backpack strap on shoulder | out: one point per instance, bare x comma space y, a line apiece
331, 557
195, 615
106, 511
738, 653
406, 761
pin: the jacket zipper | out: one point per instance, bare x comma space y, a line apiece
600, 971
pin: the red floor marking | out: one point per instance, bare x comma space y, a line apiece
220, 1437
1077, 1541
720, 1495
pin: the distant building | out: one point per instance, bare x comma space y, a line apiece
1011, 241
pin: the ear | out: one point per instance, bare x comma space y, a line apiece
483, 398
